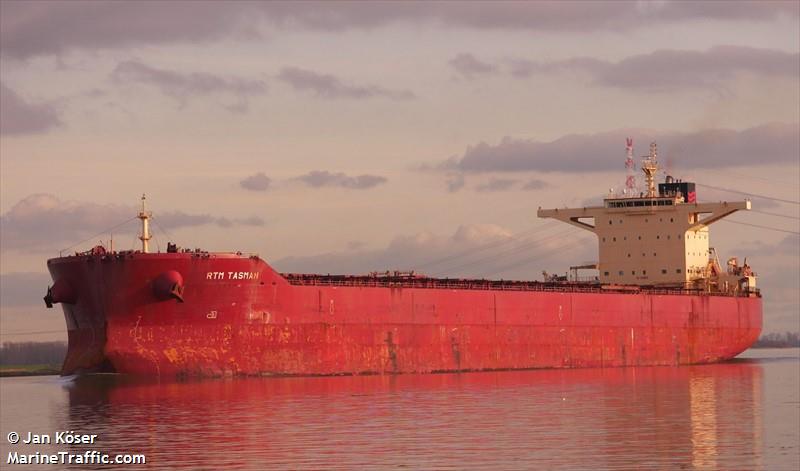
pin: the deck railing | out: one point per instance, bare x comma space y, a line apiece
497, 285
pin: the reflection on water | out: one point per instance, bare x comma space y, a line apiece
699, 417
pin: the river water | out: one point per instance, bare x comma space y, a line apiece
744, 414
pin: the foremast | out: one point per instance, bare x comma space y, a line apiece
145, 236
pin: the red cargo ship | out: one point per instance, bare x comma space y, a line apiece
660, 297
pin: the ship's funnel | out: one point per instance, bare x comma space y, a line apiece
169, 285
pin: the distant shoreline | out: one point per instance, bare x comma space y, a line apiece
773, 346
29, 370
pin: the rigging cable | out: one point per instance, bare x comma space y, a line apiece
555, 251
750, 177
513, 238
761, 227
748, 194
98, 234
776, 214
525, 246
166, 232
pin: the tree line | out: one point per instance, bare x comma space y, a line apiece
778, 340
32, 353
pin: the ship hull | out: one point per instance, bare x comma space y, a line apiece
237, 316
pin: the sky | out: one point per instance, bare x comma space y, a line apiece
346, 137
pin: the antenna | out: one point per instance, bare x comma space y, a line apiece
144, 215
630, 166
650, 168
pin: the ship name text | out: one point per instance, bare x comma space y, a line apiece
232, 275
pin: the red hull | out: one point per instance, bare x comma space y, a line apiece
239, 317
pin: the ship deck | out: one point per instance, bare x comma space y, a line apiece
423, 282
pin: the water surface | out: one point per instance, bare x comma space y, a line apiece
744, 414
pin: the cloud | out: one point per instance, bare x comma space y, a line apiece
710, 148
468, 66
496, 184
525, 68
182, 86
534, 184
19, 117
455, 182
473, 250
179, 219
669, 70
329, 86
321, 178
29, 224
257, 182
36, 28
22, 288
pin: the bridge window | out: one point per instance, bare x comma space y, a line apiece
629, 255
621, 273
633, 272
663, 271
678, 270
614, 239
605, 273
640, 237
644, 272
